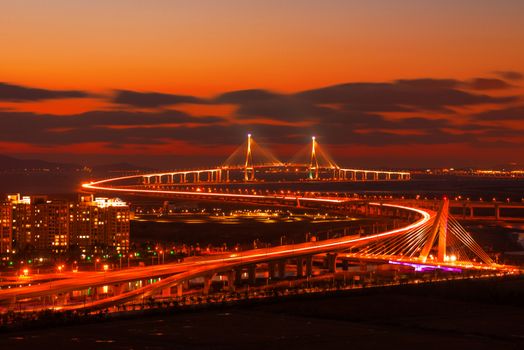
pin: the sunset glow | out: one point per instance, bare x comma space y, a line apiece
375, 80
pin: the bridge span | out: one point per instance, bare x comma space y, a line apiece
252, 162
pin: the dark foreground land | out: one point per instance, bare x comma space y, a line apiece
465, 314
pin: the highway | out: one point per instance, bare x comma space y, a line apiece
196, 267
172, 274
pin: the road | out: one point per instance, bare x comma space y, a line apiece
195, 267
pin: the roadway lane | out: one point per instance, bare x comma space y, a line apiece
208, 265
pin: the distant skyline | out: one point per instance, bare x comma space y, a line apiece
380, 83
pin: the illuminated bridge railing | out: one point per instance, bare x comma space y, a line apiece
224, 175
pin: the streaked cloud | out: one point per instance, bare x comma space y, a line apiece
402, 113
18, 93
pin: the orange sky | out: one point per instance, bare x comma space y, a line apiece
205, 48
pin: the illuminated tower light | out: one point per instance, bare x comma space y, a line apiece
313, 164
249, 169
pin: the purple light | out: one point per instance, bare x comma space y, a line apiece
422, 267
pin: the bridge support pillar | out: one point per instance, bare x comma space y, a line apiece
95, 293
271, 273
179, 290
345, 265
300, 267
46, 300
62, 299
252, 274
282, 269
238, 276
331, 261
208, 280
166, 292
309, 266
11, 302
231, 280
497, 212
118, 289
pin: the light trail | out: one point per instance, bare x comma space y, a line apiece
96, 186
178, 272
192, 269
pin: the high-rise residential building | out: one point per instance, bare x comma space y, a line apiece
98, 224
117, 227
6, 229
22, 216
93, 225
51, 226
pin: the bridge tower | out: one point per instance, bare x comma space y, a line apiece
313, 163
440, 229
249, 168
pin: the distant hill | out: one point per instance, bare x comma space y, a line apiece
11, 163
8, 163
119, 167
36, 176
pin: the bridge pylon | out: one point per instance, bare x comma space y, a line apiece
249, 168
313, 163
440, 230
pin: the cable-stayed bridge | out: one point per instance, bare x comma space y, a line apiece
440, 240
252, 161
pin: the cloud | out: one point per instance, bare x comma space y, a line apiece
245, 96
151, 99
119, 128
504, 114
345, 103
346, 115
418, 94
487, 84
17, 93
510, 75
98, 126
